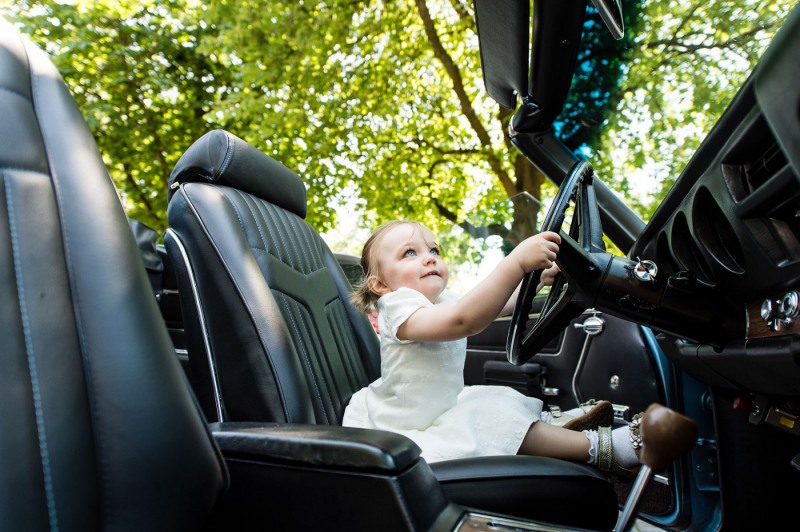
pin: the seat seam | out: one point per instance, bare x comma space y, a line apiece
306, 357
17, 94
298, 232
322, 362
280, 216
76, 305
259, 217
23, 169
44, 453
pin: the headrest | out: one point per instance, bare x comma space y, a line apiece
224, 159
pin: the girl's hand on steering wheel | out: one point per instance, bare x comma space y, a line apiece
537, 252
549, 275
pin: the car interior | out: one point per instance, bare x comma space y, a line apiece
273, 336
107, 432
714, 271
200, 384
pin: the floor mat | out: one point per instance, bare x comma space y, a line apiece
657, 499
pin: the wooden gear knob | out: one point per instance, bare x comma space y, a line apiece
666, 435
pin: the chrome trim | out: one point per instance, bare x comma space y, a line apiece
201, 316
582, 360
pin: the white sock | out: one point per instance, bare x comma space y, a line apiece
622, 447
591, 435
575, 412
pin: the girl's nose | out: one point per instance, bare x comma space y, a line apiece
429, 259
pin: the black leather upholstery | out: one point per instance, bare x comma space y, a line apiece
270, 290
98, 429
272, 336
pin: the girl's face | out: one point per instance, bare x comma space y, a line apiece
408, 256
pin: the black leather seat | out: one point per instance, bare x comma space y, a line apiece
98, 427
272, 336
87, 395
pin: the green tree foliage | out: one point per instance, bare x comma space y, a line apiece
380, 105
134, 70
683, 68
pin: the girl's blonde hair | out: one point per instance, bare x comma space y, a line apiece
364, 299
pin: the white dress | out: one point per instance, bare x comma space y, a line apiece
421, 393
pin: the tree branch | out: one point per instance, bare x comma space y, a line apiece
466, 105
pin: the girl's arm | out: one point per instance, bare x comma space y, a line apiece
481, 305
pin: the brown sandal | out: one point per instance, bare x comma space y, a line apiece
605, 458
596, 414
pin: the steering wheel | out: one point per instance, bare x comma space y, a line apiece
578, 261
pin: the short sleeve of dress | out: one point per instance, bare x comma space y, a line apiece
395, 307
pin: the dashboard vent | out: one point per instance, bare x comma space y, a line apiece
771, 161
753, 161
765, 190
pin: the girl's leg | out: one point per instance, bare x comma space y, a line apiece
552, 441
611, 451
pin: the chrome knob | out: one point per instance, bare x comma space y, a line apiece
790, 306
591, 325
767, 310
645, 270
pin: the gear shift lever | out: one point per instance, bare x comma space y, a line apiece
666, 435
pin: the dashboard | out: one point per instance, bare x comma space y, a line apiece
730, 230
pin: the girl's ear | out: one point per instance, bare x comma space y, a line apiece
376, 286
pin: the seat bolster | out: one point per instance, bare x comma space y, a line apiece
532, 487
116, 427
257, 366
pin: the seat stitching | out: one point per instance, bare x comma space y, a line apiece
299, 231
32, 370
276, 215
18, 94
306, 357
282, 254
338, 315
22, 169
323, 361
230, 201
245, 200
312, 243
228, 154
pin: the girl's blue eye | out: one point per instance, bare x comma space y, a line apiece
409, 253
435, 251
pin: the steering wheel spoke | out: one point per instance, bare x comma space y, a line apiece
582, 260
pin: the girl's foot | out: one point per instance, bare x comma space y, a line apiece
656, 437
619, 450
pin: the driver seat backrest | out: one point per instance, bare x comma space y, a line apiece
272, 336
268, 288
99, 430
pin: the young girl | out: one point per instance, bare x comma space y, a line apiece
423, 329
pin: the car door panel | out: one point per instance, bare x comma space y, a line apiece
618, 364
